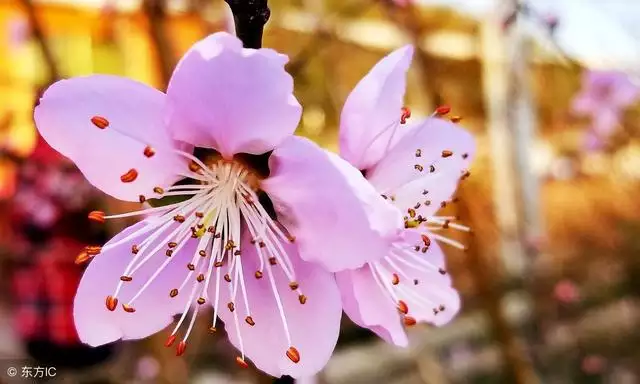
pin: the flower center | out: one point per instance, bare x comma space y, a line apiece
222, 201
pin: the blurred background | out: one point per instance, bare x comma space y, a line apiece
549, 87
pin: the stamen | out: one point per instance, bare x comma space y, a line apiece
223, 198
111, 303
442, 110
130, 176
97, 216
100, 122
149, 152
293, 354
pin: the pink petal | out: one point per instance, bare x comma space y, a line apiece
368, 306
336, 216
313, 326
232, 99
134, 115
373, 109
624, 91
396, 174
96, 325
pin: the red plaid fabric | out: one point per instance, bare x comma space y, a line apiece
44, 291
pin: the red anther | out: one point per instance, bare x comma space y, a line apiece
97, 216
125, 278
240, 361
395, 279
402, 307
130, 176
406, 113
128, 308
149, 152
443, 110
93, 250
173, 292
111, 303
258, 275
82, 258
250, 321
100, 122
425, 240
182, 346
200, 278
409, 321
170, 340
446, 153
293, 354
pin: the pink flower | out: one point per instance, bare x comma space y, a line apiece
227, 241
566, 292
416, 167
604, 96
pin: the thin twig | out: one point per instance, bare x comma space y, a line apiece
406, 18
38, 34
156, 14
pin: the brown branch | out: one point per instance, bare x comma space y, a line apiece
38, 34
155, 10
406, 18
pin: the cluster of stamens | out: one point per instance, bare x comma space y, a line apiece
393, 273
222, 197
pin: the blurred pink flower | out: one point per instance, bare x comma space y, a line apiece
566, 292
592, 142
19, 31
402, 3
416, 169
148, 368
603, 97
593, 364
134, 143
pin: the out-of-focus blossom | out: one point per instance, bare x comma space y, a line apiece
566, 292
416, 167
592, 142
593, 364
147, 368
603, 98
49, 186
218, 241
402, 3
19, 31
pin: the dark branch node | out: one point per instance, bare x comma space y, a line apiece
249, 17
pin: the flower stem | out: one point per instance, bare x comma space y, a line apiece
250, 16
